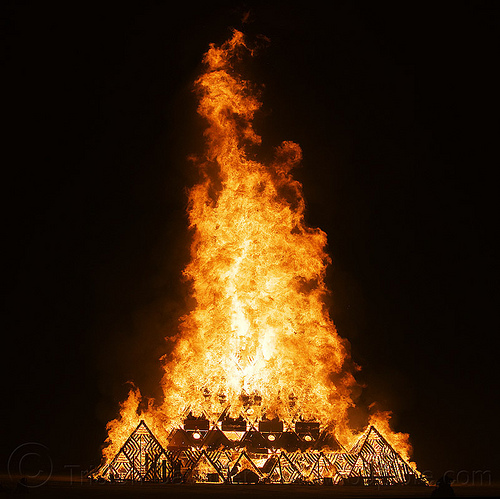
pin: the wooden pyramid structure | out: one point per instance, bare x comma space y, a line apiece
141, 457
375, 462
371, 461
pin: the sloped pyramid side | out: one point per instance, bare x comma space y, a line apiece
141, 457
328, 442
289, 471
184, 462
216, 439
326, 468
343, 462
378, 462
203, 467
275, 475
317, 466
306, 462
242, 464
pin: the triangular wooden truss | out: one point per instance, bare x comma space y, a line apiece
377, 462
142, 457
372, 460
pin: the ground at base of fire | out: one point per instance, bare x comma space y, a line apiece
64, 488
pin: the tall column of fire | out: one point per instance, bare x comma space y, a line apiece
259, 341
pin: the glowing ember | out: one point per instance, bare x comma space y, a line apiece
259, 344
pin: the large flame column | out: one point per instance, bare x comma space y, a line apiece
260, 338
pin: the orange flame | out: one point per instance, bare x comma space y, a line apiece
260, 337
119, 429
260, 341
398, 441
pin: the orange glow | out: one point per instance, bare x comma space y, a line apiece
259, 341
399, 441
260, 336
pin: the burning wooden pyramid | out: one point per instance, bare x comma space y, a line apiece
190, 456
258, 360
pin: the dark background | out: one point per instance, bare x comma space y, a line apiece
396, 111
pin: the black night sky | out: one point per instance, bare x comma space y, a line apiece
395, 107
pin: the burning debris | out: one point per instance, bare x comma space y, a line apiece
259, 384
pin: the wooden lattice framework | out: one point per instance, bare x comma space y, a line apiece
142, 457
372, 460
377, 462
